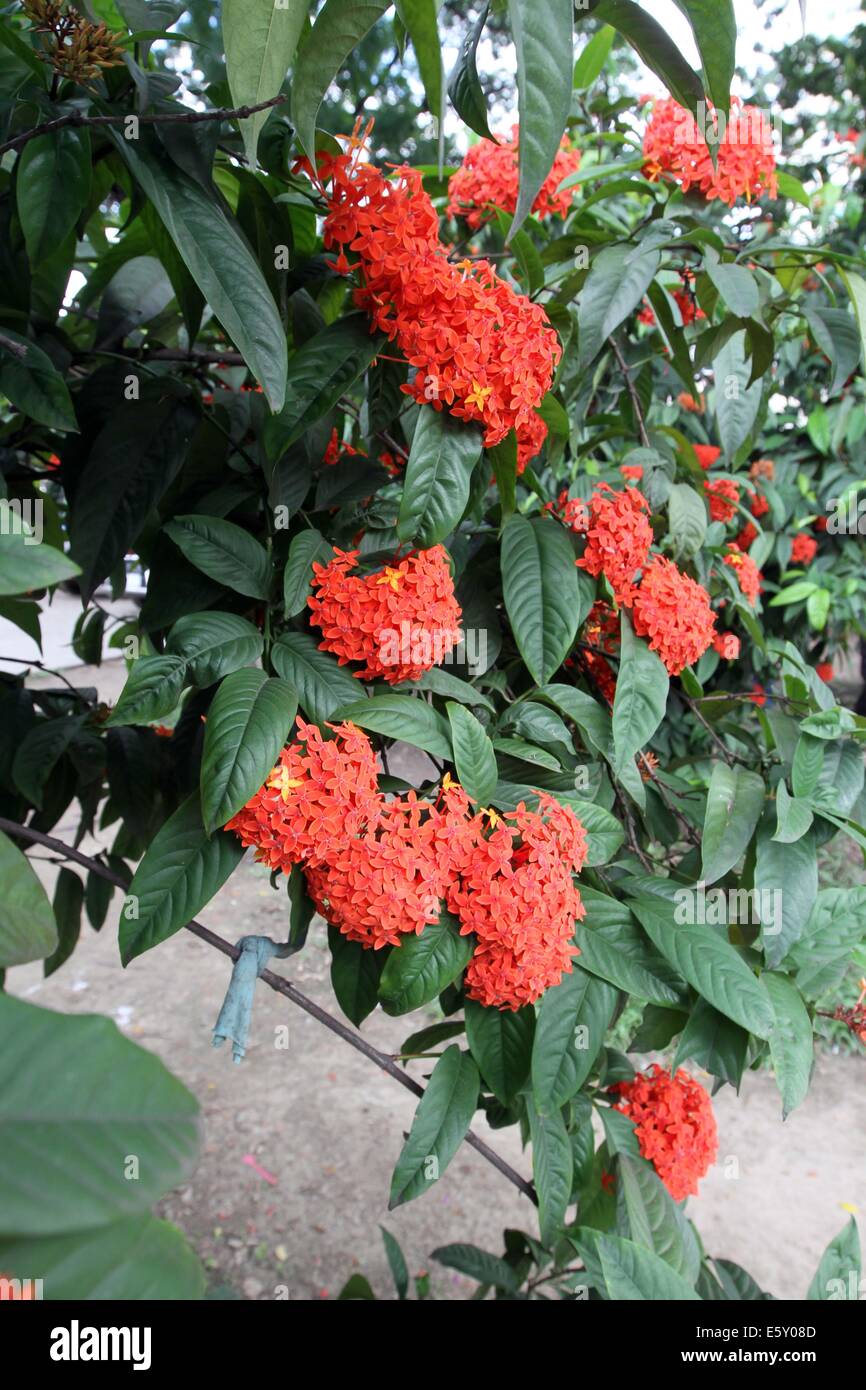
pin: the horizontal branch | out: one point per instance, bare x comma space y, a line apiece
78, 118
281, 986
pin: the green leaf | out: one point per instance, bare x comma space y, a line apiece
793, 816
838, 1274
68, 902
641, 697
474, 758
259, 38
835, 332
613, 946
714, 1042
404, 718
653, 1217
321, 684
710, 964
132, 1260
134, 459
856, 287
479, 1265
218, 258
791, 1047
340, 25
153, 688
443, 455
25, 567
687, 514
540, 587
736, 285
76, 1100
651, 43
224, 552
714, 26
503, 460
319, 373
52, 181
592, 59
543, 37
396, 1263
421, 966
34, 385
735, 800
247, 725
213, 644
818, 608
464, 89
39, 752
442, 682
736, 402
573, 1018
604, 834
634, 1274
791, 187
807, 764
355, 975
419, 17
308, 546
787, 875
501, 1043
552, 1171
440, 1124
617, 281
181, 871
27, 927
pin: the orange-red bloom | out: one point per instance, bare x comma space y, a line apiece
321, 793
675, 1126
803, 549
674, 612
706, 454
688, 402
723, 495
618, 538
824, 670
727, 644
478, 347
571, 511
516, 893
763, 468
746, 165
758, 504
399, 621
748, 575
488, 179
747, 535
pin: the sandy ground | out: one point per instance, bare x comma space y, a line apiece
324, 1126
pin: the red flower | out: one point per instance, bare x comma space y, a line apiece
803, 549
758, 697
618, 538
675, 1126
746, 536
688, 402
632, 472
399, 621
688, 307
763, 468
820, 523
727, 644
758, 504
488, 179
723, 496
674, 612
746, 165
516, 893
824, 670
478, 347
748, 575
600, 634
707, 454
571, 511
321, 793
646, 315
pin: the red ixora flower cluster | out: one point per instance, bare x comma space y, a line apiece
487, 353
571, 511
600, 635
488, 179
338, 449
749, 577
674, 612
723, 496
675, 1126
803, 549
378, 869
618, 538
399, 621
746, 166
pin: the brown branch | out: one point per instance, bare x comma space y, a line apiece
77, 118
281, 986
632, 391
10, 345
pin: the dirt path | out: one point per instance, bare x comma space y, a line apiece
326, 1126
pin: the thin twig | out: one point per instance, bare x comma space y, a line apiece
77, 118
281, 986
632, 391
10, 345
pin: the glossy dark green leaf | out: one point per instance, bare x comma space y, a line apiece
319, 373
464, 88
68, 902
260, 38
443, 455
34, 385
791, 1046
653, 45
224, 552
322, 685
152, 690
617, 282
339, 26
474, 758
479, 1265
552, 1171
641, 696
52, 180
735, 800
307, 546
355, 975
402, 717
501, 1043
247, 724
543, 37
573, 1018
421, 966
542, 598
714, 26
27, 927
213, 644
419, 17
443, 1116
838, 1274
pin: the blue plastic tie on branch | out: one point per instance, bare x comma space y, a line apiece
237, 1008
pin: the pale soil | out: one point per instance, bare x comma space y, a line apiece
327, 1125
